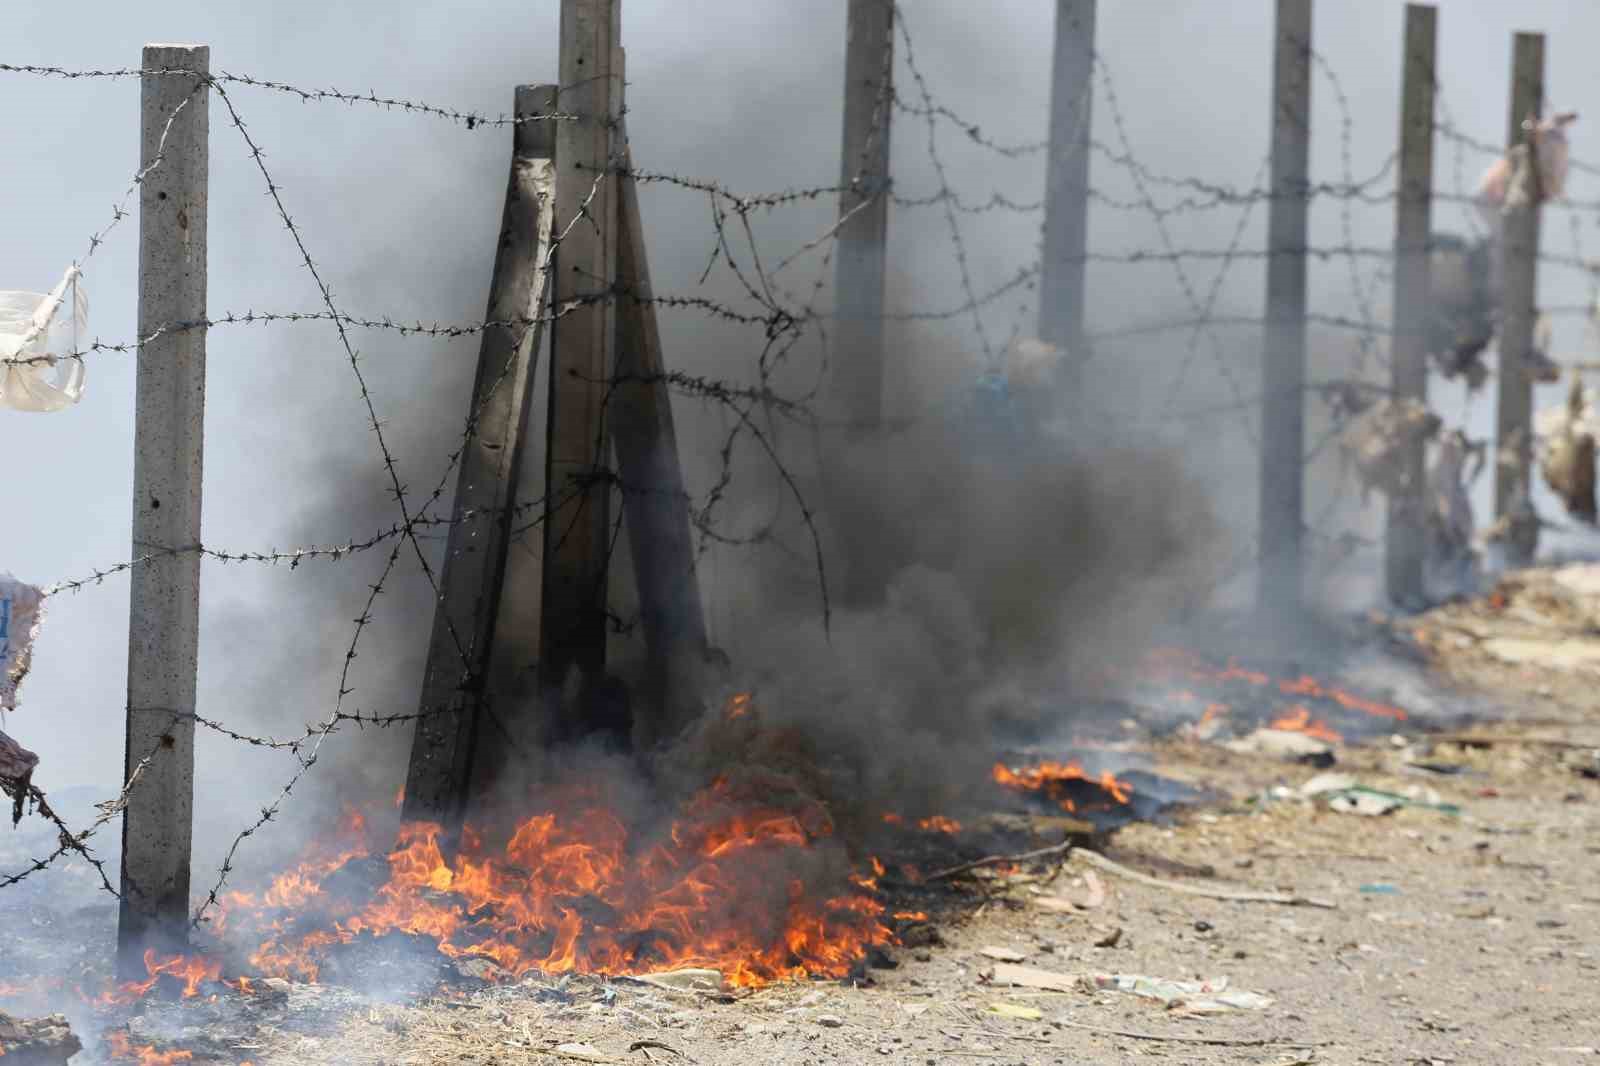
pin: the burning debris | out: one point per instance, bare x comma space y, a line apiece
1066, 785
575, 887
1239, 700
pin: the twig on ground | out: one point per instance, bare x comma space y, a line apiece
996, 860
1178, 1038
1096, 859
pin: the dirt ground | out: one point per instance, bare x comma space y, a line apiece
1464, 926
1466, 935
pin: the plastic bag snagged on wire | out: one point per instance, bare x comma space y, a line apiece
21, 609
38, 334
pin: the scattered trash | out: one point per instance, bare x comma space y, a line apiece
1377, 441
689, 980
1566, 437
38, 370
1003, 954
20, 615
1379, 888
1108, 937
1007, 973
1016, 1010
1191, 997
1097, 891
1450, 559
1443, 769
1323, 784
1289, 745
1344, 794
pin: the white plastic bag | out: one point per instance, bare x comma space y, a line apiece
38, 334
20, 613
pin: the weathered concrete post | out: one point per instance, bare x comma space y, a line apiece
455, 683
169, 423
864, 211
1284, 357
577, 529
1519, 299
1066, 218
1405, 531
654, 498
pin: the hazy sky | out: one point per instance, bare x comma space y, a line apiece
402, 211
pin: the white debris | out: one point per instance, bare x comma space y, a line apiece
40, 369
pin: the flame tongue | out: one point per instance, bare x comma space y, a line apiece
725, 886
1055, 778
1176, 665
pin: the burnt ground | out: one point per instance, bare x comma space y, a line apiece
1465, 926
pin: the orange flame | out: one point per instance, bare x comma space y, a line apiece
938, 823
122, 1047
192, 970
577, 892
1049, 776
1299, 720
1178, 662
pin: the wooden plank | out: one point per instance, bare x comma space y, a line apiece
1405, 529
455, 678
655, 501
169, 428
577, 531
1514, 411
1066, 219
1284, 356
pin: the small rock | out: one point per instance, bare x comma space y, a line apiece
830, 1021
1202, 926
1108, 938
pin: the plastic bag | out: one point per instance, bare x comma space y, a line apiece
19, 623
38, 334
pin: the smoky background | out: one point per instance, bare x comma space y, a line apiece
1151, 507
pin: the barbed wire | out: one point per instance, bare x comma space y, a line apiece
757, 415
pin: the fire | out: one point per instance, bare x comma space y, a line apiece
1299, 720
739, 706
581, 891
1178, 664
122, 1047
191, 970
1050, 777
936, 823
